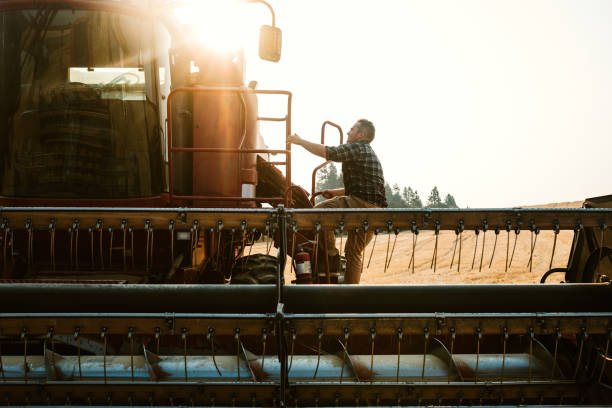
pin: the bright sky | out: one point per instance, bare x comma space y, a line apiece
500, 103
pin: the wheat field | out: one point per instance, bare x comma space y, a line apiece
476, 267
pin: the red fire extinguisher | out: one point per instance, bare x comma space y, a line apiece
303, 268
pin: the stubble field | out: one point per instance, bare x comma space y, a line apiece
476, 266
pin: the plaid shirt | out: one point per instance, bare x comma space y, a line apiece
361, 171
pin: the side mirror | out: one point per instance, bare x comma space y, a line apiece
270, 43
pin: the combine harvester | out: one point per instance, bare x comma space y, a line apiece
133, 185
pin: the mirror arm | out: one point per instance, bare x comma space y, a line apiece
264, 2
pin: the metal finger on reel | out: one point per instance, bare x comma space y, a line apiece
100, 229
110, 248
505, 345
415, 235
485, 227
219, 228
293, 338
91, 246
171, 229
237, 339
434, 257
376, 230
453, 335
557, 339
124, 229
536, 231
243, 233
132, 252
396, 231
478, 338
389, 229
130, 336
372, 338
477, 232
184, 332
148, 245
517, 231
76, 335
454, 248
399, 352
52, 243
425, 341
210, 336
264, 337
319, 337
30, 229
508, 228
494, 246
267, 235
531, 338
50, 338
556, 230
344, 352
584, 337
104, 337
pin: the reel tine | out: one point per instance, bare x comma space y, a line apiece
453, 334
478, 338
530, 263
24, 336
110, 248
104, 336
508, 228
293, 338
77, 331
373, 246
210, 336
316, 250
425, 341
237, 338
461, 228
319, 337
556, 232
392, 249
485, 227
585, 336
477, 232
344, 353
557, 338
399, 347
264, 336
517, 231
494, 246
372, 338
605, 357
531, 337
130, 336
454, 248
99, 228
389, 229
505, 336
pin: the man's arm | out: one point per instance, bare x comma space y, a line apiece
336, 192
314, 148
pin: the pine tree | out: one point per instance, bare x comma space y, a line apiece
434, 201
449, 202
416, 201
328, 178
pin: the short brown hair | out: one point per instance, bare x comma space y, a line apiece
368, 126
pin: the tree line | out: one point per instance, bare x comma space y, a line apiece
329, 178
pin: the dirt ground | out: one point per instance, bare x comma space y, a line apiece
476, 267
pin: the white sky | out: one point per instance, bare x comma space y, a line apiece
500, 103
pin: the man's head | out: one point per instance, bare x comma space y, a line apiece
362, 131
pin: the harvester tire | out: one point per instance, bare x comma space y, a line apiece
255, 269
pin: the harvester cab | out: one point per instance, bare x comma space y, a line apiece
134, 186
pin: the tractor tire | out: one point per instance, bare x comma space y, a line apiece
257, 269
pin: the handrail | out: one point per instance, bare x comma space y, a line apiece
240, 150
319, 167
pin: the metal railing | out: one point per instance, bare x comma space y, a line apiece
239, 150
